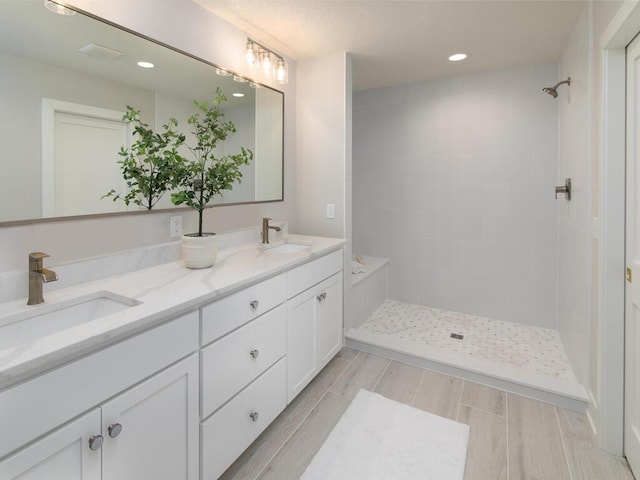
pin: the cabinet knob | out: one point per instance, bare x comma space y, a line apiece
254, 304
254, 353
95, 442
114, 430
254, 416
322, 296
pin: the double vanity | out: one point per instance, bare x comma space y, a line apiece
165, 372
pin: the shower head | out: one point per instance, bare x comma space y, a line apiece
553, 91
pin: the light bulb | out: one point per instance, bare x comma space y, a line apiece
282, 74
266, 63
251, 55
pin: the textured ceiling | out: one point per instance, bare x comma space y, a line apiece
401, 41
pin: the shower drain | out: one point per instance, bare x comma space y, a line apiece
457, 336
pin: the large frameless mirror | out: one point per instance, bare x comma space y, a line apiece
65, 86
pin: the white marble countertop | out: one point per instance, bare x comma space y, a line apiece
165, 292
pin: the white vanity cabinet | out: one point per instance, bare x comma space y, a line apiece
151, 431
148, 430
243, 371
65, 453
181, 400
314, 319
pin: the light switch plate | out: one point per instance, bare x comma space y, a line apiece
331, 210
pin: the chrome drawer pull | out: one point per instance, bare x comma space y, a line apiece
254, 353
254, 416
254, 304
114, 430
95, 442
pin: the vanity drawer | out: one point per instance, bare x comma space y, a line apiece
227, 314
232, 362
225, 435
306, 276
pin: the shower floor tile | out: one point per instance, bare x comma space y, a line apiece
497, 342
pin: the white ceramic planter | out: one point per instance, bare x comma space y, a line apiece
199, 252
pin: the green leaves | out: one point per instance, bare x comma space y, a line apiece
153, 165
149, 167
206, 175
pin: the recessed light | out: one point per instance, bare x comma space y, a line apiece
145, 64
238, 94
457, 57
57, 8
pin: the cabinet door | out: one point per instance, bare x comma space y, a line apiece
158, 438
301, 354
63, 454
328, 320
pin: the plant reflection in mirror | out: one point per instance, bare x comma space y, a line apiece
150, 166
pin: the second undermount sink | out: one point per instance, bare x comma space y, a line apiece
289, 247
47, 319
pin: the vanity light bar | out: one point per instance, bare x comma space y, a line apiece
260, 56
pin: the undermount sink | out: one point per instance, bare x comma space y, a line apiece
289, 247
47, 319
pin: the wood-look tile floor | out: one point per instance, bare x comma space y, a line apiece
511, 437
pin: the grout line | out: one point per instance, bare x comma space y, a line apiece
460, 399
381, 375
564, 447
481, 411
506, 416
342, 373
415, 394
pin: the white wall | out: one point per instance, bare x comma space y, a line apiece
574, 161
321, 144
453, 180
208, 37
323, 153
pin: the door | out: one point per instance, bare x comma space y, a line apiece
301, 350
65, 453
80, 146
632, 293
151, 430
329, 319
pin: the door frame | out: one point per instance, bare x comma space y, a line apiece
606, 409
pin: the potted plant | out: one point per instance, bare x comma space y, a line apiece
200, 178
149, 166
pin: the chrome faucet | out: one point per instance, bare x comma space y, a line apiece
265, 230
37, 276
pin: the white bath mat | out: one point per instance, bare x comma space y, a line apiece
380, 439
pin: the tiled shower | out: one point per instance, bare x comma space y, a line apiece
453, 182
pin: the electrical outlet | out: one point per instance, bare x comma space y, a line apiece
175, 227
331, 210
